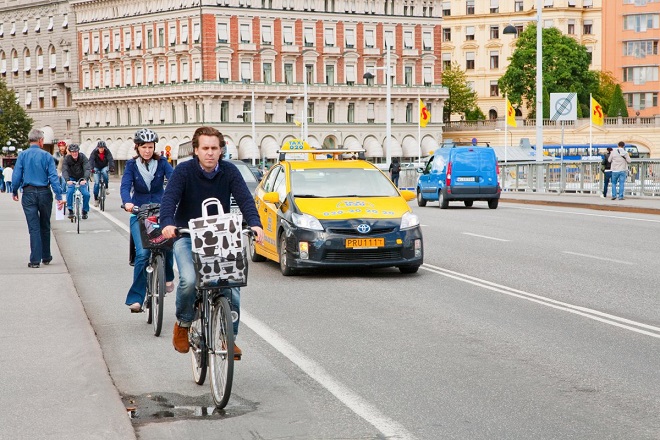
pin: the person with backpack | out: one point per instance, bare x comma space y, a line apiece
395, 169
605, 167
619, 160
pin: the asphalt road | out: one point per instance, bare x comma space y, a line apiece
525, 322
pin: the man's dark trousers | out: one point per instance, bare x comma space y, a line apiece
37, 206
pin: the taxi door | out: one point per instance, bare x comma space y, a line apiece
268, 213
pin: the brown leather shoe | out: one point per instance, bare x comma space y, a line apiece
237, 353
180, 338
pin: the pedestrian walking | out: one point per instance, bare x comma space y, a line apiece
607, 171
35, 170
9, 174
395, 169
619, 160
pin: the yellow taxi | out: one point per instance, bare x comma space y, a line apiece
332, 208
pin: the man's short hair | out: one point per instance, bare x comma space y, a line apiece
207, 131
622, 144
35, 134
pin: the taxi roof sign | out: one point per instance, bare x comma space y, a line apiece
297, 149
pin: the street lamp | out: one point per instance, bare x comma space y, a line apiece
9, 149
254, 130
388, 103
304, 129
539, 91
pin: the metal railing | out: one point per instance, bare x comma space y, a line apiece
566, 177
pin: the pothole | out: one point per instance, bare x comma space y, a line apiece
155, 407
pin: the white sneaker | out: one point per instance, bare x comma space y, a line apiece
602, 196
96, 203
107, 190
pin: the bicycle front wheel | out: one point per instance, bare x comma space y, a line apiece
102, 197
78, 215
222, 353
158, 293
198, 348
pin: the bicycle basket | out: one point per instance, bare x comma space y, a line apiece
217, 248
151, 235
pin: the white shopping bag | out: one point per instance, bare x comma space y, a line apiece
59, 212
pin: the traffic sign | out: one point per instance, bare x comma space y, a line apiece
563, 106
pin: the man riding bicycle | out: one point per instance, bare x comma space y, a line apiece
192, 182
101, 161
75, 166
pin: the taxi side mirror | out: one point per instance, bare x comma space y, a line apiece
408, 195
272, 197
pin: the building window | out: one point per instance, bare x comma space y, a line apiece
587, 4
369, 40
446, 61
570, 29
150, 38
309, 73
42, 99
310, 112
350, 38
494, 6
268, 73
245, 33
371, 114
287, 35
446, 9
197, 35
223, 72
329, 75
518, 6
53, 98
329, 37
409, 113
427, 41
428, 76
446, 34
246, 72
469, 33
161, 37
224, 111
640, 75
408, 76
350, 75
350, 116
494, 60
548, 3
494, 32
469, 61
587, 27
408, 40
331, 112
389, 39
309, 37
266, 35
469, 7
641, 48
223, 33
371, 79
641, 101
247, 111
494, 88
288, 74
641, 22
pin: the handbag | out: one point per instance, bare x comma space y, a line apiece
217, 247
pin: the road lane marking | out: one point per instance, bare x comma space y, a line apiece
388, 427
588, 214
595, 315
484, 236
112, 219
599, 258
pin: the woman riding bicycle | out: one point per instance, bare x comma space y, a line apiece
205, 176
144, 182
101, 161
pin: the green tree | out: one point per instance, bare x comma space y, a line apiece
462, 99
605, 91
475, 115
618, 104
565, 64
15, 124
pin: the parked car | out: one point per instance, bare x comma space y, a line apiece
320, 210
465, 174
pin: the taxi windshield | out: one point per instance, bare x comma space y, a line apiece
341, 182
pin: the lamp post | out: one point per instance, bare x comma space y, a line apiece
304, 128
388, 102
254, 130
539, 91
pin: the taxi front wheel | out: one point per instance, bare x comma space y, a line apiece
408, 269
284, 267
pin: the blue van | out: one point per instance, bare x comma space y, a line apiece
461, 174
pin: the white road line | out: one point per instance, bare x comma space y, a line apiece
599, 258
596, 315
484, 236
388, 427
509, 205
124, 226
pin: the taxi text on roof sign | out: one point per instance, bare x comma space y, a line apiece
297, 149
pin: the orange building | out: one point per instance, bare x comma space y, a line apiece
631, 31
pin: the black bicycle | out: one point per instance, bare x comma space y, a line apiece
153, 240
211, 335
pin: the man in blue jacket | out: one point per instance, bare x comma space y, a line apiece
35, 169
192, 182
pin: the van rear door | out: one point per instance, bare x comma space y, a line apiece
488, 171
465, 171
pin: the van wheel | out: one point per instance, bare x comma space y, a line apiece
443, 203
468, 203
408, 269
492, 203
421, 201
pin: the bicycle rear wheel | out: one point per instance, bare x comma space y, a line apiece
158, 293
198, 348
102, 196
222, 354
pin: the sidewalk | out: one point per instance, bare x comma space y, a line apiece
55, 383
640, 205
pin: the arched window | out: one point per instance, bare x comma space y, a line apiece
492, 114
40, 59
27, 61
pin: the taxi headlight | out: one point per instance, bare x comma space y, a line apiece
409, 220
306, 221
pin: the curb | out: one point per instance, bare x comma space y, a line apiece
596, 207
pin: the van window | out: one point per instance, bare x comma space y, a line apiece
439, 163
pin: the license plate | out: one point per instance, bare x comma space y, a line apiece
465, 179
365, 242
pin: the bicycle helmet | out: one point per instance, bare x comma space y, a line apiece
100, 144
144, 135
61, 144
73, 148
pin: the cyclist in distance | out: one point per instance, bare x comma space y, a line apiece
101, 161
143, 182
205, 175
75, 167
59, 156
